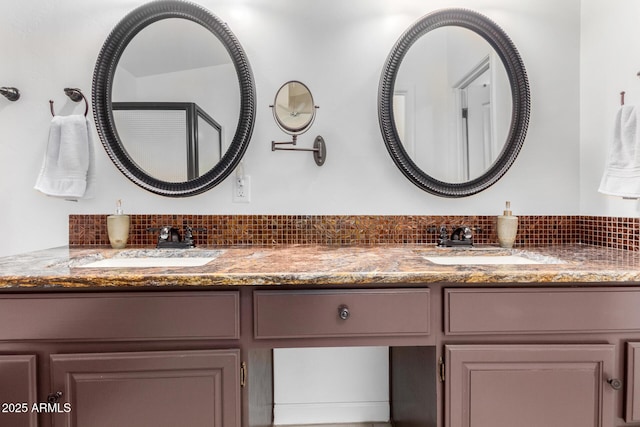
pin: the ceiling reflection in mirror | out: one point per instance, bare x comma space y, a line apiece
175, 95
452, 104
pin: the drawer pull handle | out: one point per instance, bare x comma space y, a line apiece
615, 383
343, 312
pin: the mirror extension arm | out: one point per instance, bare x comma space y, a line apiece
319, 148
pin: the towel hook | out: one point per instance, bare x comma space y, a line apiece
76, 95
623, 92
11, 93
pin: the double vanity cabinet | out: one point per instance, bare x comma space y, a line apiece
480, 355
553, 345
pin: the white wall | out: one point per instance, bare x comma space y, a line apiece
337, 48
330, 385
609, 63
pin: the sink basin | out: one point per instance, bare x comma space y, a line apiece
482, 260
148, 262
489, 256
146, 258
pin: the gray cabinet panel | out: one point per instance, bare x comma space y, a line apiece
198, 388
121, 316
632, 413
18, 390
529, 385
541, 310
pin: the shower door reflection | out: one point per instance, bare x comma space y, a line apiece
173, 141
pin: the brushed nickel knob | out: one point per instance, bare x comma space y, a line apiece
343, 312
615, 383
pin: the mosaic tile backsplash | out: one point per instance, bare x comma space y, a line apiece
360, 230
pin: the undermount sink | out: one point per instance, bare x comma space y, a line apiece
488, 256
481, 260
146, 258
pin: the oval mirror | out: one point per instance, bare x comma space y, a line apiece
173, 98
454, 103
293, 108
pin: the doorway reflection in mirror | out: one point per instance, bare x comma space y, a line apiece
452, 104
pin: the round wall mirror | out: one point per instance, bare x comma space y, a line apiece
293, 108
454, 103
173, 98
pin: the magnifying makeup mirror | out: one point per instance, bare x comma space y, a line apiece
294, 112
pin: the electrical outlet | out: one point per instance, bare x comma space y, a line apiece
242, 189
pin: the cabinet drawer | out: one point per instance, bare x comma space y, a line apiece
538, 310
315, 314
121, 316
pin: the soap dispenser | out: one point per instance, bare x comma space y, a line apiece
118, 227
507, 227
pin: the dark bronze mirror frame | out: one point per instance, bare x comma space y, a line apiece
104, 73
516, 73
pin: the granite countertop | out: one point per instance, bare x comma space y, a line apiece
61, 268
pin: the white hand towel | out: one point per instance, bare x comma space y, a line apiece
622, 171
68, 166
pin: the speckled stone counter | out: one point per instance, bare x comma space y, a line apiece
61, 268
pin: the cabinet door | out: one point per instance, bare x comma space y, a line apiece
18, 390
529, 385
632, 413
159, 389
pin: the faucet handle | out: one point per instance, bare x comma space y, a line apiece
167, 233
466, 233
443, 235
188, 230
188, 234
